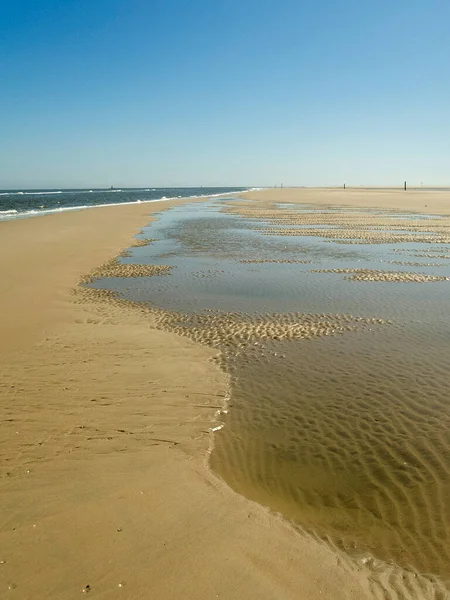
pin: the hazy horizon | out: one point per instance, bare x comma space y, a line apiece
348, 186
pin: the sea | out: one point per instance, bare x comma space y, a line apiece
16, 204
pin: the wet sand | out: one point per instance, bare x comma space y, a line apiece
106, 419
348, 435
393, 276
335, 434
338, 418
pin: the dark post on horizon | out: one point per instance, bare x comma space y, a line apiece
405, 186
344, 186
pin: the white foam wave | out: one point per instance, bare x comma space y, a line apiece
8, 212
48, 211
40, 193
51, 192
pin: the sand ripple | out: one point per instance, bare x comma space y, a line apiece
360, 237
350, 437
234, 331
344, 225
137, 244
393, 276
114, 268
280, 261
345, 434
409, 263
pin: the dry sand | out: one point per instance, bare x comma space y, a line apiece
104, 486
411, 200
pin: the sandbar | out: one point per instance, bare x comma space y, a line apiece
106, 427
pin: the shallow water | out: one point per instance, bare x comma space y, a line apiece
205, 247
349, 434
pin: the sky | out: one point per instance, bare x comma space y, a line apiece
224, 92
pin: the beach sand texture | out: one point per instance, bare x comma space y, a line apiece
433, 202
104, 483
349, 435
106, 413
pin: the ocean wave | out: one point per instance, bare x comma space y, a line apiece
47, 211
33, 193
14, 214
81, 191
40, 193
52, 192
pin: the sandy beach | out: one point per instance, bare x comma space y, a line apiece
435, 201
106, 427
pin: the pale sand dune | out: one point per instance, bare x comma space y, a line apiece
104, 481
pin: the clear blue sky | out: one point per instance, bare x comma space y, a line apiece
224, 92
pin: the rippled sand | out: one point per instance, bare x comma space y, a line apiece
280, 261
339, 421
326, 424
359, 236
141, 243
350, 437
393, 276
113, 268
411, 263
344, 225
